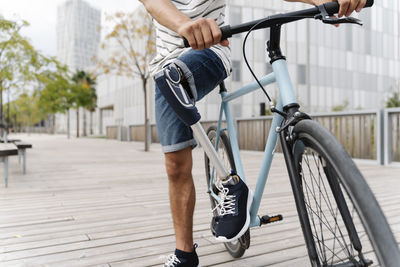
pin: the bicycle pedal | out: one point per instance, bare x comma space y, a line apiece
270, 219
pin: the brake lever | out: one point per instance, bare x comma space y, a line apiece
333, 20
326, 18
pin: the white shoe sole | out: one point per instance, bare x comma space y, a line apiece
246, 225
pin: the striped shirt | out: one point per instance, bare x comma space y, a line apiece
170, 45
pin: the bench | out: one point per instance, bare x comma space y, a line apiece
7, 150
22, 152
9, 140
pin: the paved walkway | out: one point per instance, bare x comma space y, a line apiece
101, 202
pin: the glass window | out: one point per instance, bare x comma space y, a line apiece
301, 74
367, 42
349, 39
236, 70
314, 76
235, 17
268, 68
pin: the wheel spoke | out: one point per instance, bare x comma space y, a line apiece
339, 207
319, 196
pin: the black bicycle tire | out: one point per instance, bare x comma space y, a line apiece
369, 211
236, 249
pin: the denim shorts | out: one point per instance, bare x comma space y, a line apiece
203, 71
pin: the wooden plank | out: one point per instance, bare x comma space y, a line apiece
22, 145
8, 149
117, 198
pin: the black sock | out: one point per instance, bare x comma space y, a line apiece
184, 254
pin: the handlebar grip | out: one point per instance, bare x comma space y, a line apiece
369, 3
333, 7
225, 34
185, 42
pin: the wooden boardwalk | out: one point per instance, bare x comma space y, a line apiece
96, 202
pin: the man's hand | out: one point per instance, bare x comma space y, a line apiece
346, 6
202, 33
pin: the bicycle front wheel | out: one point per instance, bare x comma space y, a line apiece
347, 225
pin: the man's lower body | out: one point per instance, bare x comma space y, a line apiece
202, 71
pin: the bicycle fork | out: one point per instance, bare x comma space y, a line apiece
285, 137
298, 197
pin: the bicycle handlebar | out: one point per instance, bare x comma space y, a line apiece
333, 7
279, 19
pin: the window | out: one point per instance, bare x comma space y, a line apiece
268, 68
349, 39
301, 74
235, 17
236, 71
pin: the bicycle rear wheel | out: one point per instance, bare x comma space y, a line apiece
238, 247
347, 225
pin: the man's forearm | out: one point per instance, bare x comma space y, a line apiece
165, 13
200, 33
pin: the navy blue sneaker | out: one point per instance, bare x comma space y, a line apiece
234, 209
183, 259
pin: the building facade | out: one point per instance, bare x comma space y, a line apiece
78, 33
121, 99
350, 66
78, 39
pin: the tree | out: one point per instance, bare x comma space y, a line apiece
393, 101
136, 46
92, 108
18, 60
342, 107
55, 96
84, 95
26, 110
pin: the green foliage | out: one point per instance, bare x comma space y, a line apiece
19, 61
83, 91
21, 67
342, 107
56, 96
26, 110
268, 111
393, 101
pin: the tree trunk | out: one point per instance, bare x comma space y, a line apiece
91, 123
16, 128
54, 123
68, 125
1, 110
8, 111
29, 125
77, 122
47, 124
84, 122
146, 120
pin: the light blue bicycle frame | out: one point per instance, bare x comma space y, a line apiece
287, 96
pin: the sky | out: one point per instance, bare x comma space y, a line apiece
42, 16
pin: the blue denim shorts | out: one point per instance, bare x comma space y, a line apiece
203, 71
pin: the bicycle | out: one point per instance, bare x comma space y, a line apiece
341, 220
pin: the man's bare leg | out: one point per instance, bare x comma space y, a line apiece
182, 196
